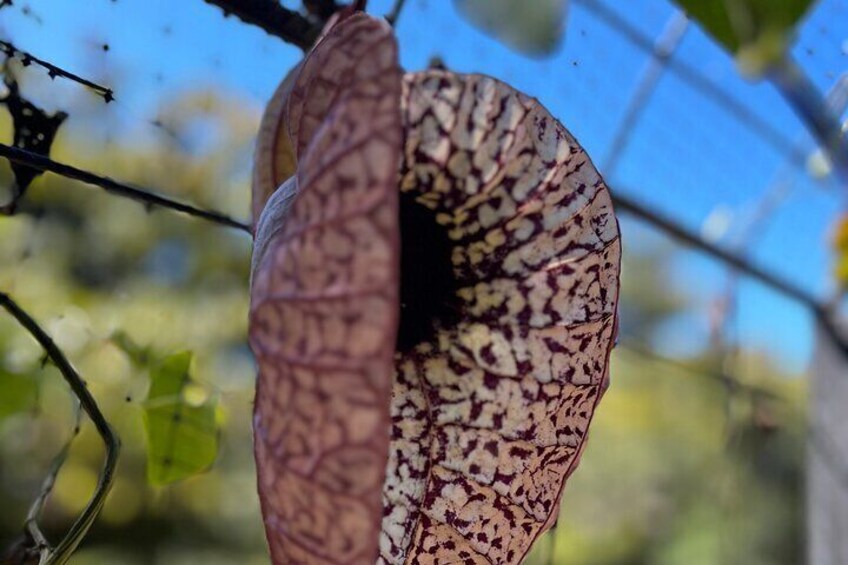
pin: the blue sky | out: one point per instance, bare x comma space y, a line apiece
687, 157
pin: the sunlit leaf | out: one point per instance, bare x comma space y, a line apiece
17, 393
757, 32
182, 436
140, 356
533, 27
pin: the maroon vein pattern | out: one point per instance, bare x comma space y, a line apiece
310, 108
324, 305
490, 417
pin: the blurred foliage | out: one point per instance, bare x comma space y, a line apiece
642, 312
679, 469
120, 287
179, 422
757, 32
688, 474
20, 393
533, 28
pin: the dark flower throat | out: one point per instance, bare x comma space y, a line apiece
427, 283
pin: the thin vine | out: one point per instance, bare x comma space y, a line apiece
60, 554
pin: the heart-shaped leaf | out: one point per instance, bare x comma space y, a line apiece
179, 422
757, 32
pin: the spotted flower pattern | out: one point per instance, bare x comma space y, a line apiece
455, 447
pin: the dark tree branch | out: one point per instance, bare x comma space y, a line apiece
288, 25
78, 530
741, 264
147, 197
54, 71
392, 17
321, 9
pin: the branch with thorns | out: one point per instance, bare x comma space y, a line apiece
26, 59
147, 197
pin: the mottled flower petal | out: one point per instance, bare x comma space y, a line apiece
324, 304
490, 416
351, 46
489, 413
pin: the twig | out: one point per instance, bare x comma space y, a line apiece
392, 17
678, 232
54, 71
72, 539
37, 507
288, 25
17, 155
821, 312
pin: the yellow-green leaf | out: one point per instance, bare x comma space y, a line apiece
757, 32
17, 393
179, 422
140, 356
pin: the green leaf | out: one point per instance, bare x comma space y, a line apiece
534, 27
140, 356
17, 393
179, 422
757, 32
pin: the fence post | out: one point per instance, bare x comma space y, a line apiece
827, 454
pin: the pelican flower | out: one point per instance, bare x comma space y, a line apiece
433, 306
